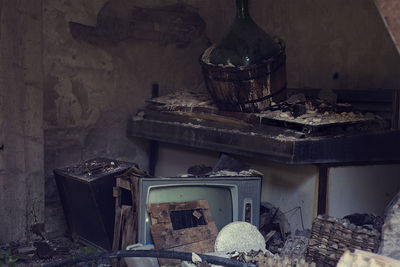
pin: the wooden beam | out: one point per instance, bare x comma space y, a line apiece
390, 13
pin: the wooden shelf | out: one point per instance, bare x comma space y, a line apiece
268, 142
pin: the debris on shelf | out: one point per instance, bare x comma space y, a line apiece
183, 99
301, 112
316, 112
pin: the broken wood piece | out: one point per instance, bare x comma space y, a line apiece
128, 231
117, 228
170, 231
135, 206
126, 222
390, 13
269, 236
123, 183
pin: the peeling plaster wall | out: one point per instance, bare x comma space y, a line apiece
21, 119
91, 90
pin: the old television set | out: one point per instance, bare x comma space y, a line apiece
233, 198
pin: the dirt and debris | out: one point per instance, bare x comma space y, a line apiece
228, 163
226, 166
315, 111
390, 245
262, 259
305, 113
184, 99
93, 167
39, 253
296, 244
296, 108
273, 226
366, 259
198, 170
367, 221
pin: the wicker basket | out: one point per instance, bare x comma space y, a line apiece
330, 238
246, 88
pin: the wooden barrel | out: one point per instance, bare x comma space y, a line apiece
245, 88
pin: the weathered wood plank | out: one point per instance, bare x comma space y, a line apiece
117, 227
128, 231
135, 206
277, 145
390, 12
123, 183
221, 139
199, 239
170, 238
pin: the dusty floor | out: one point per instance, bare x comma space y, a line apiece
41, 253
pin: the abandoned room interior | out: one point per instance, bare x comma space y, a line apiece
199, 133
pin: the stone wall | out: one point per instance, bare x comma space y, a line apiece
21, 119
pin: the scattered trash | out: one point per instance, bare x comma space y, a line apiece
390, 245
262, 259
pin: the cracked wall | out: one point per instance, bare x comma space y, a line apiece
92, 89
21, 119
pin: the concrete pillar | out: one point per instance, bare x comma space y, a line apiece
21, 118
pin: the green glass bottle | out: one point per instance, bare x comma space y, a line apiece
245, 43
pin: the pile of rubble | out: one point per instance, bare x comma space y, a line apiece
262, 259
93, 167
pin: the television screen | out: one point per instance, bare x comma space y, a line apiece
229, 198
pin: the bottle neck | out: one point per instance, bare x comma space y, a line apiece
242, 9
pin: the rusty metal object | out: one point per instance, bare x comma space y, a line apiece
390, 12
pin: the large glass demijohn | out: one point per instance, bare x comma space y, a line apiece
245, 43
246, 70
